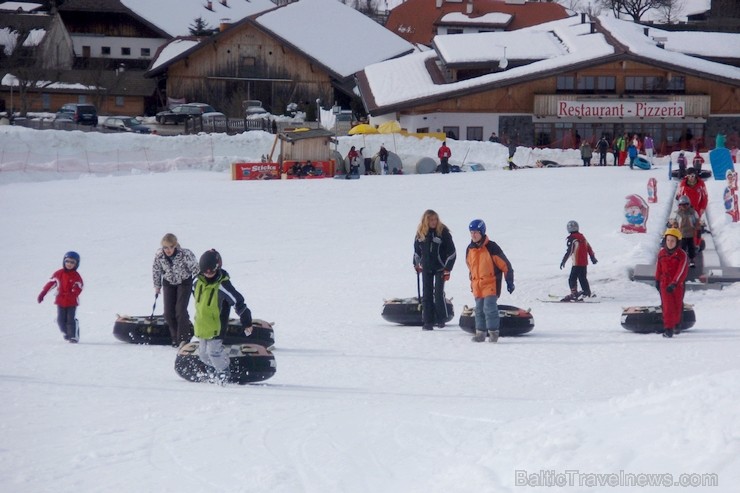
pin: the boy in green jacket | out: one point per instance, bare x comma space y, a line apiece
214, 296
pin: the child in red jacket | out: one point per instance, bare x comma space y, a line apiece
69, 286
580, 251
670, 275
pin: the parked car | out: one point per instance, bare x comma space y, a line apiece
183, 112
126, 124
253, 107
82, 114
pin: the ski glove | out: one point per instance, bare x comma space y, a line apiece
418, 268
671, 287
562, 264
40, 298
594, 261
510, 287
657, 285
446, 275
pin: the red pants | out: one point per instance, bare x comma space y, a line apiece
672, 305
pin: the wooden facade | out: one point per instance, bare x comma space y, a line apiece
243, 63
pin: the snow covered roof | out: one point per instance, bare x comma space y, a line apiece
175, 16
171, 50
491, 18
35, 37
555, 45
703, 44
485, 47
20, 6
633, 37
338, 44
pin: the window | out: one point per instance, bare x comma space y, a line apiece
105, 50
82, 99
454, 30
119, 100
597, 84
125, 51
474, 133
146, 52
566, 83
451, 132
651, 83
422, 130
45, 102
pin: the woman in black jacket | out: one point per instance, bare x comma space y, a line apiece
434, 257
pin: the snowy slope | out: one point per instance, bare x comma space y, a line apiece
357, 404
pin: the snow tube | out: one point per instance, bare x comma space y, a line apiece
704, 174
247, 363
407, 311
514, 321
642, 162
425, 166
154, 331
649, 319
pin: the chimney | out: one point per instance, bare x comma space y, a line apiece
225, 3
646, 31
209, 5
224, 24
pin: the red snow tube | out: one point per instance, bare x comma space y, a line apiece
514, 321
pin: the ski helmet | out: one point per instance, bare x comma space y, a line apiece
210, 261
477, 225
572, 227
74, 256
683, 199
673, 232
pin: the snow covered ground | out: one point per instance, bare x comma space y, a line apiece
357, 404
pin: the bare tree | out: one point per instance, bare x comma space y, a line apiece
582, 6
633, 8
670, 13
20, 61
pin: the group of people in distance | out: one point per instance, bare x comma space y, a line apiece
302, 170
355, 158
176, 274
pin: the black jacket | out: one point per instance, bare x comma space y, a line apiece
435, 253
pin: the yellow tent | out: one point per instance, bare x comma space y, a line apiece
362, 128
390, 127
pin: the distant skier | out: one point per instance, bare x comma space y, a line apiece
68, 283
487, 264
214, 295
682, 162
579, 251
383, 159
686, 220
602, 146
434, 257
444, 153
670, 275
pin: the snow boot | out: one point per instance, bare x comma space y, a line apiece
668, 333
480, 336
493, 336
441, 325
427, 327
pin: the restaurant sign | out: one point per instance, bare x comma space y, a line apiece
622, 109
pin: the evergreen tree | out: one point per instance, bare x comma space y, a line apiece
200, 27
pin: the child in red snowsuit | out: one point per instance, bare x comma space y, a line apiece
670, 275
69, 286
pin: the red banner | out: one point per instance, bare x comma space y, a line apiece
255, 171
